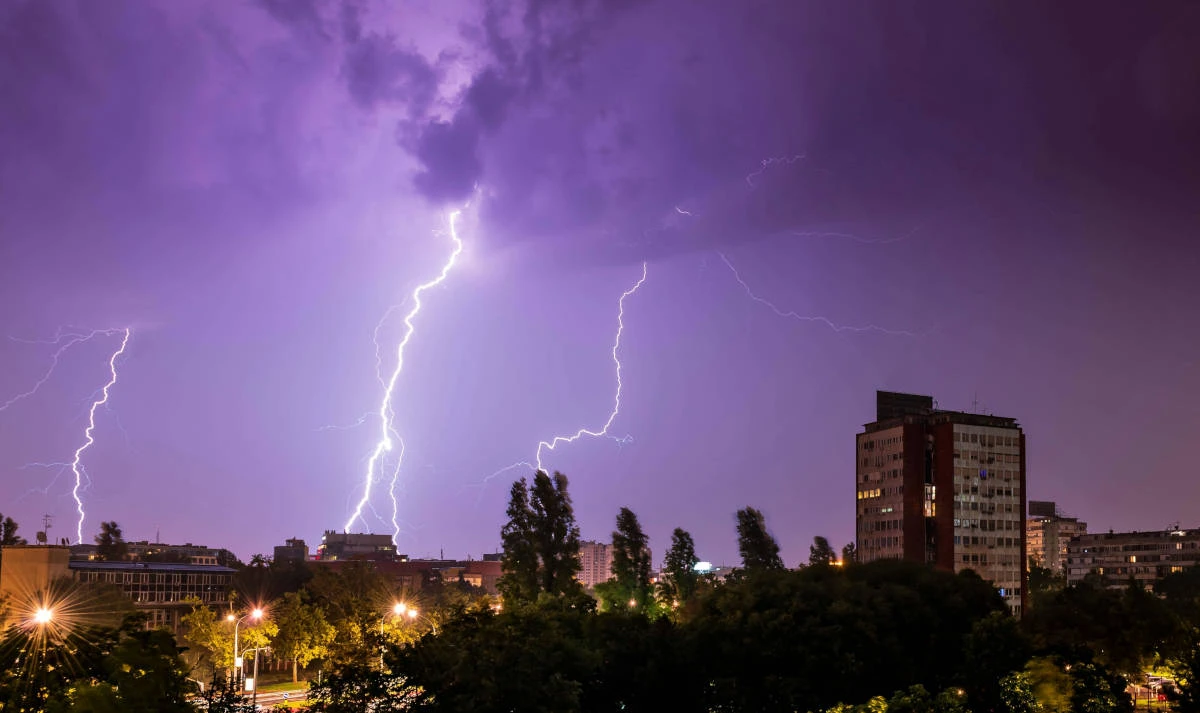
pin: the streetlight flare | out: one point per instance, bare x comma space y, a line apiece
399, 608
42, 616
256, 614
412, 613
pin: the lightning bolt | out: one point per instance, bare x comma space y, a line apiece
790, 314
63, 340
768, 162
77, 464
387, 415
553, 443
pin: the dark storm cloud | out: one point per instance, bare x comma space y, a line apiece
592, 125
378, 70
302, 16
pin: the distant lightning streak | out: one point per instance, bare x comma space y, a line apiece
387, 415
803, 318
64, 341
768, 162
553, 443
76, 464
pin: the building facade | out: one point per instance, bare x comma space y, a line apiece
293, 550
595, 563
946, 488
1047, 532
1145, 557
348, 545
161, 590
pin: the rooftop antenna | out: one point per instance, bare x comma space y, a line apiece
158, 534
975, 403
47, 520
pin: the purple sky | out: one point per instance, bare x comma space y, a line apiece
251, 185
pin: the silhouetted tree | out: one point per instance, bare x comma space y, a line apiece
555, 534
519, 560
8, 532
758, 548
631, 557
849, 554
821, 552
110, 543
679, 568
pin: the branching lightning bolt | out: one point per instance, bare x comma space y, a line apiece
553, 443
63, 340
76, 463
387, 415
791, 314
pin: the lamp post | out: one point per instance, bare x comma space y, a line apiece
254, 614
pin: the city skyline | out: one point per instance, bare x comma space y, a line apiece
827, 202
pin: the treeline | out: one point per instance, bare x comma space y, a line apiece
830, 636
318, 616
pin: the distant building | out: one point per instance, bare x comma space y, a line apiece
159, 589
1146, 557
1047, 532
946, 488
595, 560
345, 545
409, 576
145, 551
292, 550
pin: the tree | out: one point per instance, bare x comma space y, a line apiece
519, 561
821, 552
849, 554
679, 568
304, 634
354, 599
209, 635
631, 557
110, 543
555, 533
758, 548
8, 532
86, 668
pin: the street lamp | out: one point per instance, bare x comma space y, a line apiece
42, 616
399, 611
254, 614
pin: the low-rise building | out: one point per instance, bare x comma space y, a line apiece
1145, 557
161, 590
354, 545
1047, 532
293, 550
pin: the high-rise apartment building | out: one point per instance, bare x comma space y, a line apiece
946, 488
595, 563
1047, 532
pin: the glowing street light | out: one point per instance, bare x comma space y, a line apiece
399, 608
42, 616
254, 614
